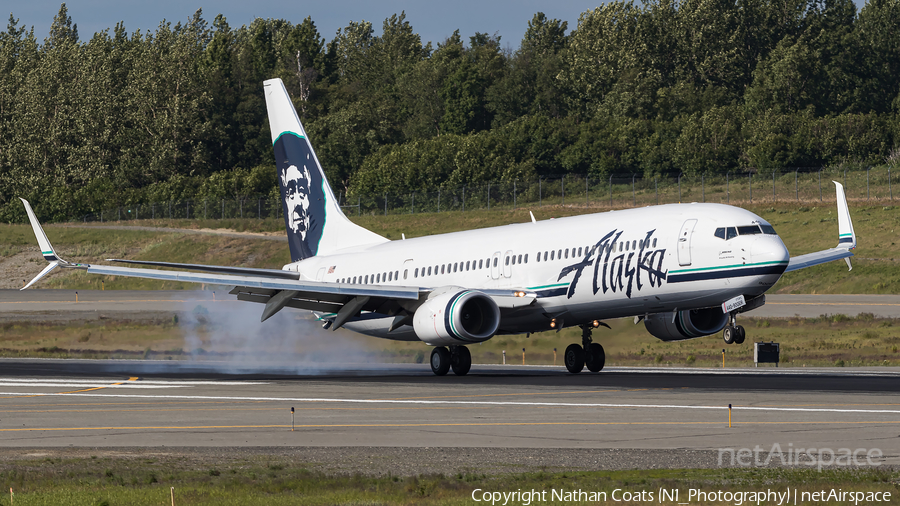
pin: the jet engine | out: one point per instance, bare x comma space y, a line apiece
454, 316
686, 324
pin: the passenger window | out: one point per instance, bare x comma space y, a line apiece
397, 274
621, 246
730, 233
768, 229
654, 242
526, 258
366, 282
520, 258
720, 232
480, 264
443, 268
626, 245
455, 265
567, 252
467, 264
545, 256
507, 260
579, 251
378, 278
416, 273
633, 244
551, 255
559, 254
495, 262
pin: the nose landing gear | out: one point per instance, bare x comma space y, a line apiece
588, 354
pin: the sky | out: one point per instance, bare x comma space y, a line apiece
433, 21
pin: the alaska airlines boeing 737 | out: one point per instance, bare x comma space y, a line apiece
686, 270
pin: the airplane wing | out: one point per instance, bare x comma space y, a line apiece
276, 289
846, 239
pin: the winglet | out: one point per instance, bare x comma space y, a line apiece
846, 235
46, 248
532, 217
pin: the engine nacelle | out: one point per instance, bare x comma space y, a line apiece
456, 316
687, 324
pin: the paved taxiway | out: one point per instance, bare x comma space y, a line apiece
52, 403
50, 304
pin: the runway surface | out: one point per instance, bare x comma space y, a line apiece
133, 303
54, 403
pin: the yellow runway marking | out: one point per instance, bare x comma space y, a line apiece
133, 378
501, 395
407, 425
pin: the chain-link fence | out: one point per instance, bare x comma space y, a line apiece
615, 192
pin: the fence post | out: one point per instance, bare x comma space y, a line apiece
656, 187
439, 199
727, 188
223, 210
891, 190
464, 198
633, 198
702, 188
679, 188
562, 186
773, 185
187, 209
514, 195
358, 205
204, 209
489, 196
750, 178
385, 203
241, 204
610, 190
796, 185
170, 209
867, 182
820, 185
845, 179
540, 193
587, 202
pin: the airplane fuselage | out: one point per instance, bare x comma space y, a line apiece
592, 267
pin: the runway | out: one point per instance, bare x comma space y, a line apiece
50, 304
47, 403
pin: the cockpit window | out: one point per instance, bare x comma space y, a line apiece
749, 230
720, 233
768, 229
730, 233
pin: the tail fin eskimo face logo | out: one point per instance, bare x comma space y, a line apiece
302, 197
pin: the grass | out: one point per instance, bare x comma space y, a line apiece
829, 340
273, 481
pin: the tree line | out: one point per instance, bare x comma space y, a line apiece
654, 88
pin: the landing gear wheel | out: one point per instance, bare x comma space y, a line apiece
574, 358
729, 334
460, 360
594, 357
739, 335
440, 360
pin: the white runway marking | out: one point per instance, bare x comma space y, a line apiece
70, 382
459, 403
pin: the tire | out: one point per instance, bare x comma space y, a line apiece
595, 357
729, 334
460, 361
574, 358
739, 338
440, 360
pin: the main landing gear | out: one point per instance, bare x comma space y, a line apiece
457, 358
588, 354
733, 333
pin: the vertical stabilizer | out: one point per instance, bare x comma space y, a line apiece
314, 220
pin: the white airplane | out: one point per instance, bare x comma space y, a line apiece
686, 270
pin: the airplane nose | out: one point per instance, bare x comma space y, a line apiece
769, 248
